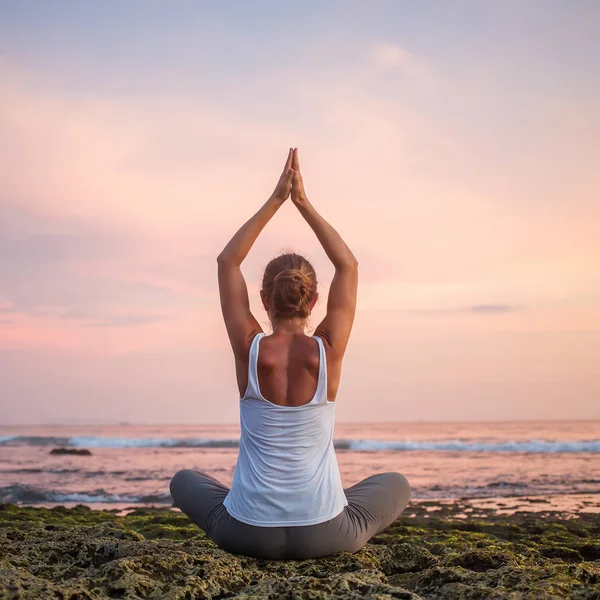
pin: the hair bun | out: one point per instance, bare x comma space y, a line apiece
290, 284
296, 276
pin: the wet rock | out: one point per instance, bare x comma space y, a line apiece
405, 558
587, 573
482, 559
590, 551
82, 554
562, 552
344, 587
75, 451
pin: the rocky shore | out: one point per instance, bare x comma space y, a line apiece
435, 551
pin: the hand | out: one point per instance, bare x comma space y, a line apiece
298, 193
284, 185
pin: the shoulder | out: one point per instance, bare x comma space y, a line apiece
323, 334
242, 349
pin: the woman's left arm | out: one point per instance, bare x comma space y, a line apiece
235, 304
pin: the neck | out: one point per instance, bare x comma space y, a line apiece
289, 326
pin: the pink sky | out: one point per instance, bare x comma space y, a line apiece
461, 168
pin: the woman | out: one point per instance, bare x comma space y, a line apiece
287, 500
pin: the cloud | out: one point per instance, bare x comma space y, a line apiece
94, 272
47, 248
128, 199
151, 163
479, 309
492, 308
391, 55
46, 294
96, 319
89, 277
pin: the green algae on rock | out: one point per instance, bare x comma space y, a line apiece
79, 554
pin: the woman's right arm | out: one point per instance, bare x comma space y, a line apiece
341, 303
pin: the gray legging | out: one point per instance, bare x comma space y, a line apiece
373, 504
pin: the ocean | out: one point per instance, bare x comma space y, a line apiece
131, 465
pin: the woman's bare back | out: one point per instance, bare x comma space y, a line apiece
288, 369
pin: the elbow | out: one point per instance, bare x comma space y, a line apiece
228, 262
224, 259
223, 262
350, 263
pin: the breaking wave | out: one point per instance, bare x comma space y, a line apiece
364, 445
27, 494
539, 446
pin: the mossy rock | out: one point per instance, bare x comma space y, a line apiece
590, 551
586, 572
345, 587
152, 531
436, 578
562, 552
482, 559
157, 553
405, 558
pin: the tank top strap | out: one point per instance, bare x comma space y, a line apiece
321, 393
252, 390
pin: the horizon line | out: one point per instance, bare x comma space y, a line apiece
412, 422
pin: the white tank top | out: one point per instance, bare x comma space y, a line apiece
287, 472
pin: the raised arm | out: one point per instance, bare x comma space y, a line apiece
235, 305
341, 304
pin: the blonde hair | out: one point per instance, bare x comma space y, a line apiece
290, 285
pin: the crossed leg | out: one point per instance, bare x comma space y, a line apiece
373, 504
